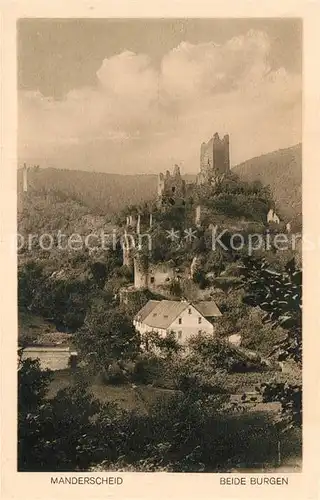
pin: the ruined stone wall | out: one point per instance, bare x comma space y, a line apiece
160, 275
141, 271
172, 187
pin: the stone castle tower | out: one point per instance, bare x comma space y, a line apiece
214, 159
138, 263
171, 188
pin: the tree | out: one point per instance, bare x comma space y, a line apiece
107, 336
279, 296
32, 384
175, 288
30, 278
212, 351
59, 434
200, 278
239, 318
99, 273
32, 388
166, 346
69, 429
64, 302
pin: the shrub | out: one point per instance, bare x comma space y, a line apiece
147, 369
114, 374
279, 296
162, 346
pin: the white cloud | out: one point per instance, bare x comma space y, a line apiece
139, 118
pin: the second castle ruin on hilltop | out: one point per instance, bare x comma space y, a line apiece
171, 188
214, 163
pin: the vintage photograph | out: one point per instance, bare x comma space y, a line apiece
159, 241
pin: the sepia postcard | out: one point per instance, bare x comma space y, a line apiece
159, 250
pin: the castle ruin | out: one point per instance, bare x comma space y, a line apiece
147, 275
171, 188
141, 267
214, 159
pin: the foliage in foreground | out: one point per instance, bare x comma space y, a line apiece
279, 295
186, 431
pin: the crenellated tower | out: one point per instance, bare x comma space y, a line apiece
214, 159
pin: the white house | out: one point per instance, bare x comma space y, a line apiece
183, 318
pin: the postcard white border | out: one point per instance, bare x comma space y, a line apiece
158, 485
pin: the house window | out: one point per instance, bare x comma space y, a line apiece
179, 334
189, 310
165, 316
154, 314
199, 320
199, 331
152, 279
180, 321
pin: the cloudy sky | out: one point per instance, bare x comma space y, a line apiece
137, 96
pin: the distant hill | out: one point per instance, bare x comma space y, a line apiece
102, 194
107, 194
282, 170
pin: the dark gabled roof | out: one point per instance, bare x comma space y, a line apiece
146, 310
208, 308
165, 313
161, 314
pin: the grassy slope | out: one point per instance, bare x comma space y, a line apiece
129, 398
122, 394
